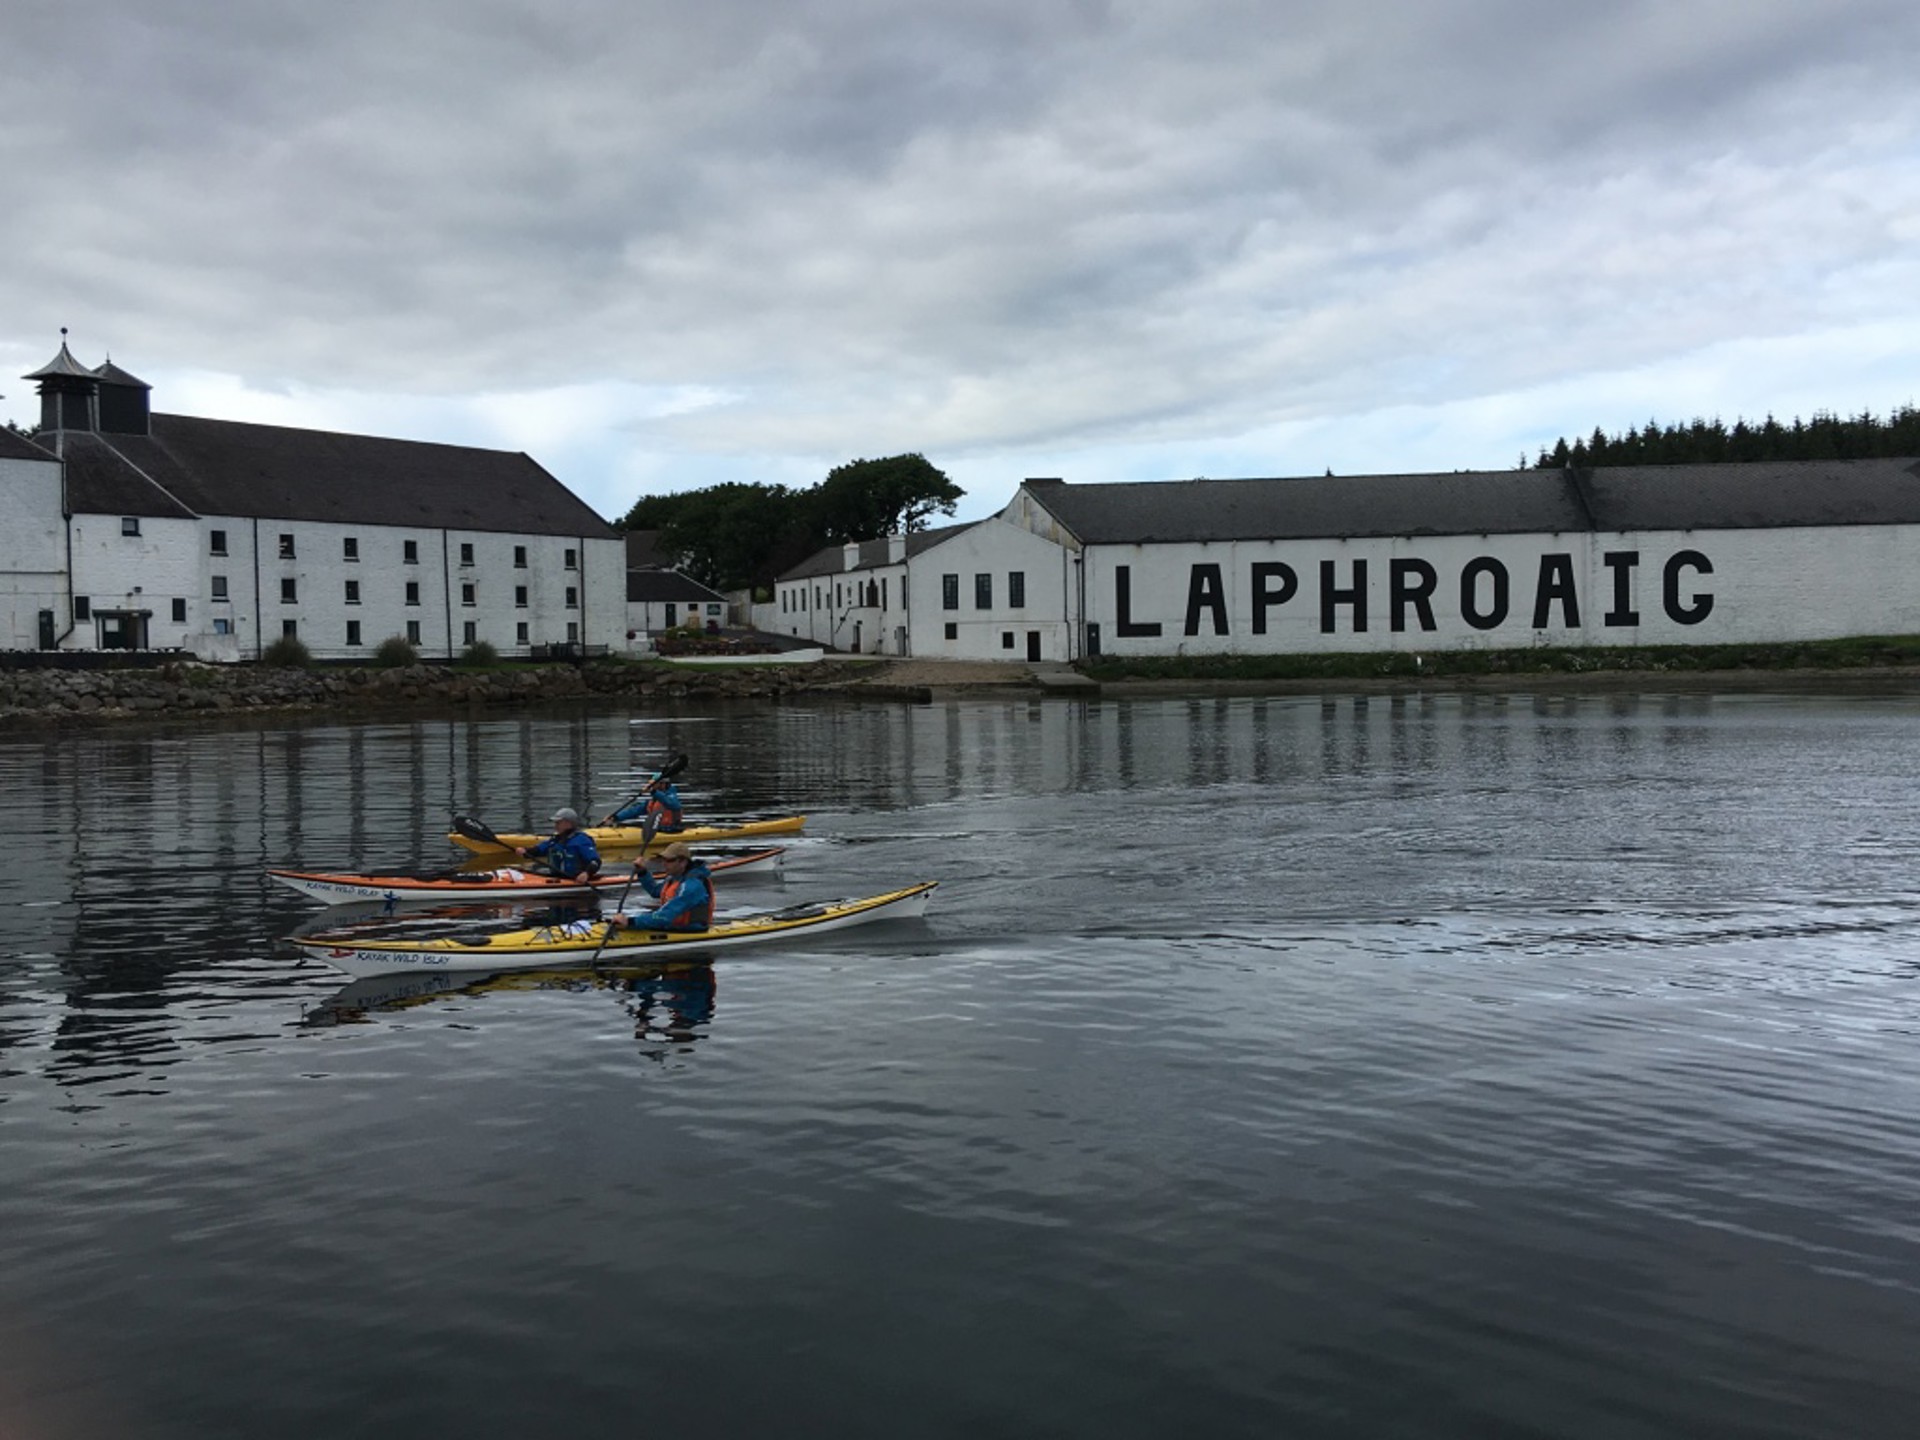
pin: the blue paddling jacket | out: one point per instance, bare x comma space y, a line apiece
569, 855
663, 801
686, 902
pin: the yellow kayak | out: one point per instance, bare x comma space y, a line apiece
584, 942
482, 841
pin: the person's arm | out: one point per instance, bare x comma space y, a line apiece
646, 879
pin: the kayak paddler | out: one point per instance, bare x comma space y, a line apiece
569, 851
658, 807
683, 887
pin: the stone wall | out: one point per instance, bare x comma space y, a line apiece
188, 688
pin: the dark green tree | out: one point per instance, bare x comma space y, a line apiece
865, 499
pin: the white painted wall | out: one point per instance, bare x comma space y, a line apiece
999, 630
33, 563
860, 610
1685, 588
148, 571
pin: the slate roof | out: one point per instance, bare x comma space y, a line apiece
193, 466
18, 447
657, 585
1650, 497
832, 559
643, 551
62, 365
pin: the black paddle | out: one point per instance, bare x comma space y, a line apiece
619, 906
666, 772
474, 830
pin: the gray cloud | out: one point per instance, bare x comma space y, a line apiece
960, 228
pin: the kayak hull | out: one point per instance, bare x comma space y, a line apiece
507, 884
628, 837
583, 942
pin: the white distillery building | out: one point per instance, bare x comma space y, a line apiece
33, 571
1766, 552
218, 537
660, 598
853, 597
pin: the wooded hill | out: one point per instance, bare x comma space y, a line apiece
1705, 442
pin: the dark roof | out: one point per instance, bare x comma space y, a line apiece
1652, 497
112, 374
189, 465
63, 365
654, 585
18, 447
832, 559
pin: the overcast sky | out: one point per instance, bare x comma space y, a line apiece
660, 245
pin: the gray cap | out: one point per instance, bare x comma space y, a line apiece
570, 815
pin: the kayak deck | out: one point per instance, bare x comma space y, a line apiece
585, 941
630, 837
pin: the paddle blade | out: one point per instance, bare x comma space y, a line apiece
673, 767
474, 830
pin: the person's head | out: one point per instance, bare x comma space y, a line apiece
565, 819
672, 856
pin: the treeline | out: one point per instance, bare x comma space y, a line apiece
740, 536
1704, 442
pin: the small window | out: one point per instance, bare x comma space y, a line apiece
467, 593
713, 607
949, 593
520, 596
289, 590
413, 592
82, 608
413, 632
520, 633
216, 542
1006, 639
573, 632
953, 631
223, 626
1016, 589
353, 632
290, 629
219, 587
349, 547
470, 632
572, 561
353, 592
883, 592
466, 552
573, 598
519, 557
286, 547
179, 611
983, 592
410, 551
129, 524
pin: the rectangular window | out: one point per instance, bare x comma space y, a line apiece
289, 590
573, 598
290, 629
470, 632
129, 524
983, 592
413, 592
219, 587
520, 633
953, 631
353, 592
466, 552
713, 608
467, 593
353, 632
573, 632
519, 557
179, 611
1006, 639
286, 547
216, 542
413, 632
520, 597
410, 551
883, 592
223, 626
572, 561
1017, 589
949, 593
349, 547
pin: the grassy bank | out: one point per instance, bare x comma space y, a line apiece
1859, 653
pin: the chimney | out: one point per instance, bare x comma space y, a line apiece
852, 552
896, 548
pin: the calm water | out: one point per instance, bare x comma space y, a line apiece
1449, 1066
